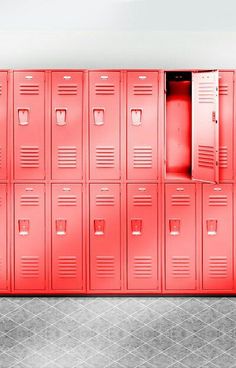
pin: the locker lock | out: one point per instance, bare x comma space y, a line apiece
61, 227
211, 226
174, 226
23, 116
99, 227
98, 116
23, 226
61, 116
136, 226
136, 116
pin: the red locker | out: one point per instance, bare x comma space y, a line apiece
3, 237
104, 125
67, 125
217, 236
105, 244
29, 247
29, 125
67, 236
3, 124
142, 107
205, 127
180, 242
142, 236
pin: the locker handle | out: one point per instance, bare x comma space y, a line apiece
136, 116
98, 115
211, 226
136, 226
174, 226
61, 116
61, 227
23, 116
99, 227
23, 226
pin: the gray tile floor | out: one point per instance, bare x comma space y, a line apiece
114, 332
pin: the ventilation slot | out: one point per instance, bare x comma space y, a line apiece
142, 267
30, 266
105, 200
105, 266
223, 89
206, 156
206, 92
223, 157
67, 267
180, 200
29, 200
218, 267
29, 89
67, 157
66, 200
67, 89
29, 156
142, 157
142, 89
181, 267
142, 200
104, 89
0, 89
105, 157
218, 200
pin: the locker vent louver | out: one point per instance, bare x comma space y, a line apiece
218, 267
29, 89
223, 89
67, 200
29, 200
206, 92
143, 267
105, 200
142, 157
104, 89
67, 157
142, 200
105, 266
67, 267
0, 88
180, 266
206, 156
142, 89
218, 200
180, 200
67, 89
30, 266
29, 156
105, 157
223, 157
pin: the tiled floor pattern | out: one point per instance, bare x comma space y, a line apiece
114, 332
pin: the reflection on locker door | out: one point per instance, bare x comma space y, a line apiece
180, 223
142, 125
3, 124
3, 238
67, 236
29, 246
67, 125
104, 125
217, 236
105, 236
29, 125
142, 236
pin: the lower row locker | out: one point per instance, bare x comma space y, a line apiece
217, 228
180, 237
105, 246
142, 236
29, 250
67, 236
3, 238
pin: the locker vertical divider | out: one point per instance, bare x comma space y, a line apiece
199, 239
123, 186
10, 193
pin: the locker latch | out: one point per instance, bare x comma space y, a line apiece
136, 116
23, 116
174, 226
98, 115
211, 227
61, 116
99, 226
23, 226
61, 227
214, 117
136, 226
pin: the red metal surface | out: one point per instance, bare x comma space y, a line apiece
3, 238
3, 125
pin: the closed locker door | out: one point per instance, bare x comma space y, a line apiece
217, 237
142, 236
3, 124
67, 236
29, 125
226, 105
67, 125
3, 238
105, 244
29, 247
142, 98
180, 224
104, 125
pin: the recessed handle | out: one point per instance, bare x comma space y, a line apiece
174, 226
61, 116
23, 226
23, 116
136, 116
136, 226
99, 227
98, 116
61, 227
211, 226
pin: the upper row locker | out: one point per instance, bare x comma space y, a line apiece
3, 124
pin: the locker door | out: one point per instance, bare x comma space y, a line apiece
3, 238
226, 105
142, 236
67, 236
105, 236
29, 237
104, 125
180, 237
67, 125
142, 125
3, 124
29, 125
205, 127
217, 236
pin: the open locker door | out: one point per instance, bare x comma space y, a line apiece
205, 126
